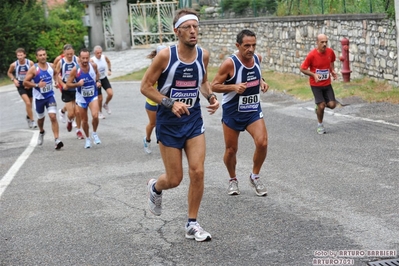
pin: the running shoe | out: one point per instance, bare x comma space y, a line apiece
321, 130
33, 124
195, 231
96, 139
147, 146
106, 107
154, 199
29, 122
58, 144
79, 135
69, 126
62, 116
88, 143
260, 189
100, 115
233, 188
41, 137
74, 124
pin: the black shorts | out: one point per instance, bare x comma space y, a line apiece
104, 84
323, 94
68, 96
21, 90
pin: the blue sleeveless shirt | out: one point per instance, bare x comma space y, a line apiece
244, 104
181, 82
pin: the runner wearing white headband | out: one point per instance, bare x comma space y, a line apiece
184, 19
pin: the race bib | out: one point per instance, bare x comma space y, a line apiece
88, 91
47, 88
249, 103
324, 74
187, 96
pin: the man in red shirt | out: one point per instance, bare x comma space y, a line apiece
319, 66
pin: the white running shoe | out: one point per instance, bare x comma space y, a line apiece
96, 139
58, 144
62, 116
147, 146
233, 188
154, 199
88, 143
106, 107
33, 124
195, 231
100, 115
74, 124
41, 137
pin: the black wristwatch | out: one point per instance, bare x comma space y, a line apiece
210, 96
167, 102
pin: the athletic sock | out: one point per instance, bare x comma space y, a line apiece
191, 221
155, 190
254, 176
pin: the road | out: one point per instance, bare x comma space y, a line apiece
327, 193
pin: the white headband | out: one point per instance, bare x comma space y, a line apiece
184, 19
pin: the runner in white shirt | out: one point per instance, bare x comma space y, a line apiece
104, 68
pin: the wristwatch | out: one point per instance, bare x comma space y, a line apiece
36, 85
210, 96
167, 102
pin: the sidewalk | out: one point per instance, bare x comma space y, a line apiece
122, 63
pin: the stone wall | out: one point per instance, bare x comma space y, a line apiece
284, 42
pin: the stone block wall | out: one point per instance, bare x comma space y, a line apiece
284, 42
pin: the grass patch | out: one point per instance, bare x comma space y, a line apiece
5, 81
298, 86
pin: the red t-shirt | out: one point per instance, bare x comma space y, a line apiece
319, 63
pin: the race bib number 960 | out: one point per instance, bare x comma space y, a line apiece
249, 103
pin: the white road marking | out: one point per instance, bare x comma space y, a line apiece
358, 118
9, 176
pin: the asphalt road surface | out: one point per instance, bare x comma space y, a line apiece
330, 196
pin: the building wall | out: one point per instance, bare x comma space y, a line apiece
284, 42
120, 23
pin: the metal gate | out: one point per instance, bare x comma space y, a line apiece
107, 26
152, 22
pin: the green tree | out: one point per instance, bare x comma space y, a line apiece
21, 22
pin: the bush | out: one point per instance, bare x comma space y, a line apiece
20, 27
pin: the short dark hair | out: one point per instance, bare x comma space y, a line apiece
243, 33
84, 50
40, 49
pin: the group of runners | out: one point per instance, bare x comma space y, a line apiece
80, 80
179, 75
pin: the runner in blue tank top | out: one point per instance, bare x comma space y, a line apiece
85, 78
16, 72
40, 79
181, 75
239, 79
